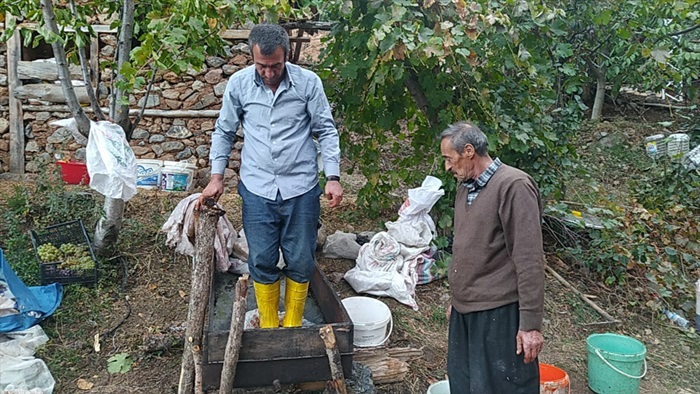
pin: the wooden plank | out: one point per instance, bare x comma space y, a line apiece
264, 373
237, 34
14, 50
46, 71
299, 342
234, 34
48, 92
97, 28
185, 113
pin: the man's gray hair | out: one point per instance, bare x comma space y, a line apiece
462, 133
268, 38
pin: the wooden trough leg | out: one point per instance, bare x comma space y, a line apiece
233, 345
191, 370
337, 384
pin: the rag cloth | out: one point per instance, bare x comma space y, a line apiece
180, 230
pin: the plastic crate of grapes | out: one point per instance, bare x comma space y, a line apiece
65, 254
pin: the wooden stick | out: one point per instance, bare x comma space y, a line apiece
191, 370
337, 384
235, 335
582, 296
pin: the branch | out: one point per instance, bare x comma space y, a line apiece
582, 296
416, 91
143, 108
84, 66
121, 111
681, 32
63, 73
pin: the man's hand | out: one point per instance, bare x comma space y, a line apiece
214, 190
530, 344
334, 192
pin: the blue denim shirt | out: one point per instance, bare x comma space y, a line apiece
279, 153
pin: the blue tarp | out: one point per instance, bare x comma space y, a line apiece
34, 303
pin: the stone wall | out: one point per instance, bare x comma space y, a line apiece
162, 138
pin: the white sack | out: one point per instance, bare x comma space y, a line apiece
341, 245
382, 270
420, 201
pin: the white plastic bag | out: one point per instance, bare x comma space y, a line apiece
420, 200
110, 160
21, 372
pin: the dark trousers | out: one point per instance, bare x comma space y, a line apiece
290, 225
481, 355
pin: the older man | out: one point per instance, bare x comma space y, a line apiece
282, 108
497, 272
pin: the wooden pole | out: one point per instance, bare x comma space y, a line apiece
191, 371
235, 335
585, 299
14, 52
182, 113
337, 384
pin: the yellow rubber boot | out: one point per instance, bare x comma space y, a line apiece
294, 300
268, 299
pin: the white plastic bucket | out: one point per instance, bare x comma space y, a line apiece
441, 387
148, 173
370, 318
177, 176
677, 145
655, 146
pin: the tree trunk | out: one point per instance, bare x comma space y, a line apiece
107, 230
599, 73
63, 73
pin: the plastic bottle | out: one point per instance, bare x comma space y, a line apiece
677, 319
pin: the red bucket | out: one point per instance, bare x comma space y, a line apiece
74, 172
553, 380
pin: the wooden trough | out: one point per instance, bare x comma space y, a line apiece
277, 356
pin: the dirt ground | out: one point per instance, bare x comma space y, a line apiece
157, 287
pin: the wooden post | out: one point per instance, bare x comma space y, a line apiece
14, 52
235, 335
191, 370
337, 384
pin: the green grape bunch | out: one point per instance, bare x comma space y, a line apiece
70, 255
49, 253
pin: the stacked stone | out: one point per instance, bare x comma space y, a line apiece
161, 138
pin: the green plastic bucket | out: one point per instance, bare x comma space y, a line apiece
616, 363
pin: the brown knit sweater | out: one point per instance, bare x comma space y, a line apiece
497, 254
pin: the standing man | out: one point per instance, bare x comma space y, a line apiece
497, 272
281, 108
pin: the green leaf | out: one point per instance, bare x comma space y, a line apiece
119, 363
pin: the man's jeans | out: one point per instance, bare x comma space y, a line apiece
291, 225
